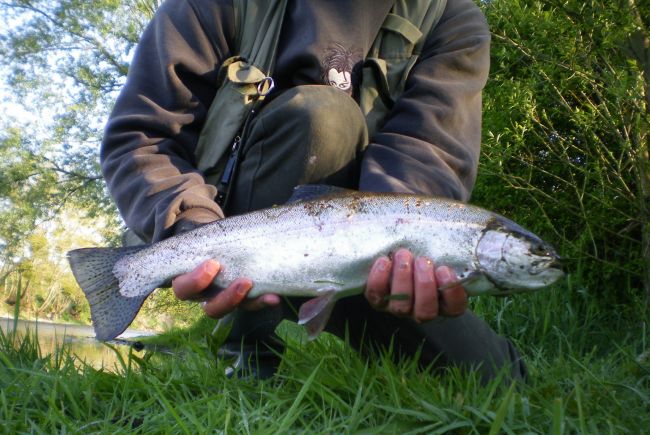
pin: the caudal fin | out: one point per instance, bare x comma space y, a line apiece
111, 312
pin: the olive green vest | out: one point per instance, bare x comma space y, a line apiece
245, 79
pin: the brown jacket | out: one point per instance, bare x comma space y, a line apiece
429, 143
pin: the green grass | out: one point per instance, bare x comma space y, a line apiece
589, 373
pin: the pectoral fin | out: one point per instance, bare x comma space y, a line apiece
475, 283
315, 313
468, 280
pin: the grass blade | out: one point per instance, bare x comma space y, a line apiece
499, 419
292, 414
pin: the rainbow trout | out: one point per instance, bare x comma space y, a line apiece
322, 248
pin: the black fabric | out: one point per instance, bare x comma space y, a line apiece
308, 135
332, 46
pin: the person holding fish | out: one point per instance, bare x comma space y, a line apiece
319, 118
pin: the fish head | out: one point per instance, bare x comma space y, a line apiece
514, 259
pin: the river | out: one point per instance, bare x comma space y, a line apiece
79, 339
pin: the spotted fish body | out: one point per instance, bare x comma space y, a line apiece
322, 248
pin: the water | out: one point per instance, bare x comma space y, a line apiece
79, 339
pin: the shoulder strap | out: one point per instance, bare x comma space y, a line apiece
243, 81
259, 24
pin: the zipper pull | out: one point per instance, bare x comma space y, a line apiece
230, 164
235, 143
223, 186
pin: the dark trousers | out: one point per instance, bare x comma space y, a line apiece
316, 134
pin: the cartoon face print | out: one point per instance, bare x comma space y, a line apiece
338, 65
339, 79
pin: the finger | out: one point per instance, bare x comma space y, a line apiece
260, 302
425, 306
190, 284
453, 301
227, 300
401, 284
378, 285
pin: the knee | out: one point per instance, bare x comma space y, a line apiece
325, 113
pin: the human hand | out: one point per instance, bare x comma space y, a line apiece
192, 285
408, 287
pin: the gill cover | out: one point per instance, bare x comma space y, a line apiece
516, 259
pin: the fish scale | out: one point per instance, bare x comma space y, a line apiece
323, 248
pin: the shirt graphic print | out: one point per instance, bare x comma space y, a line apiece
339, 67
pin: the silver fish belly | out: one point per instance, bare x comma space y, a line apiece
323, 248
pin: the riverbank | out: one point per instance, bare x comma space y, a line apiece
78, 341
46, 328
160, 313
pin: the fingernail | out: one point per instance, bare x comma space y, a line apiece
445, 275
382, 265
211, 267
403, 260
241, 288
424, 264
425, 267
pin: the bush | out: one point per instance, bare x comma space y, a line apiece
565, 134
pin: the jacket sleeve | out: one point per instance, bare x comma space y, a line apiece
147, 153
430, 141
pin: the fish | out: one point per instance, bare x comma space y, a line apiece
321, 245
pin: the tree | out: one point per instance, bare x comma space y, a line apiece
62, 64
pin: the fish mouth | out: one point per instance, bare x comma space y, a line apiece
548, 273
559, 263
541, 273
552, 262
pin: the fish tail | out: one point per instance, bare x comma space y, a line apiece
111, 312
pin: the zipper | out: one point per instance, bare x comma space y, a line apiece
224, 183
